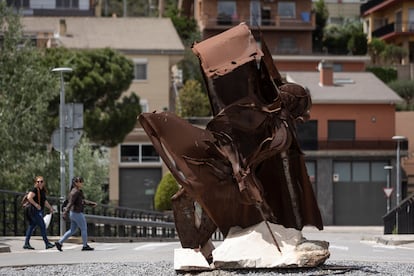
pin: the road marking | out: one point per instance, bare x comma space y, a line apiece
65, 247
150, 246
339, 247
384, 246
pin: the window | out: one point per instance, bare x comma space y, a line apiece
140, 69
359, 171
308, 135
255, 13
286, 9
378, 173
144, 105
311, 168
226, 11
337, 67
287, 45
139, 153
266, 16
341, 130
149, 154
411, 20
398, 21
67, 3
342, 171
18, 3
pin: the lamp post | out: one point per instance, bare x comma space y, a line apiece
62, 70
388, 169
398, 139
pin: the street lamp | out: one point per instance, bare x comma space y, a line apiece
388, 169
62, 70
398, 139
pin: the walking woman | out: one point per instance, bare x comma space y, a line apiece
38, 201
76, 203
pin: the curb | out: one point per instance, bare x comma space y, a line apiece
390, 239
4, 248
393, 241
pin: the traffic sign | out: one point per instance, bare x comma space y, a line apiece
72, 137
73, 115
388, 192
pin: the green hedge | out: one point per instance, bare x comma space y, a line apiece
386, 74
167, 187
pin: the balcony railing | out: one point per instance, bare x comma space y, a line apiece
313, 145
403, 27
305, 20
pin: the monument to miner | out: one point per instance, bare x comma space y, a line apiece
244, 174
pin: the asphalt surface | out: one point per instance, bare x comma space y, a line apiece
156, 258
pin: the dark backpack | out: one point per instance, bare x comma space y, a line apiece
25, 202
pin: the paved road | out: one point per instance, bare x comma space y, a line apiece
347, 245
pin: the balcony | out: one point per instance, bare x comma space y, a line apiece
305, 21
368, 144
394, 29
375, 5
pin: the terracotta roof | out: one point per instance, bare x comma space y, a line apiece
349, 88
125, 34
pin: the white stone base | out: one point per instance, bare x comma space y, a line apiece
189, 259
254, 247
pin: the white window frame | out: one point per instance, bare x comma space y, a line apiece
144, 105
137, 62
139, 158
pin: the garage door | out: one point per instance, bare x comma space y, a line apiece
138, 186
359, 197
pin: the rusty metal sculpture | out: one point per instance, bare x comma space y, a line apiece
246, 166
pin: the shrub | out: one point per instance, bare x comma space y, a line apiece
167, 187
385, 74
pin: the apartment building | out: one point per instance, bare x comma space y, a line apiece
286, 25
347, 143
391, 21
342, 11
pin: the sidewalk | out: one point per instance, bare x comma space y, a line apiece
367, 233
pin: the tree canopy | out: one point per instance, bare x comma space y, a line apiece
28, 98
193, 102
404, 88
26, 87
348, 38
321, 17
98, 80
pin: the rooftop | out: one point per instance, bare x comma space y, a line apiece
125, 34
348, 88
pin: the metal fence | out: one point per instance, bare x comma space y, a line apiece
400, 220
103, 220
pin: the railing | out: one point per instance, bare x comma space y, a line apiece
400, 220
400, 27
309, 144
305, 20
104, 220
